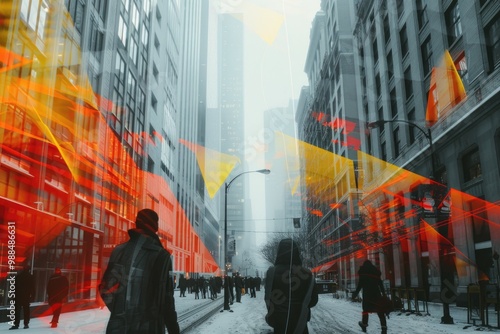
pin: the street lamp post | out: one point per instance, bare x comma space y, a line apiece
226, 188
446, 318
427, 134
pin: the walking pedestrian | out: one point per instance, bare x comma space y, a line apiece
25, 292
238, 285
196, 289
57, 292
182, 286
136, 286
373, 289
289, 291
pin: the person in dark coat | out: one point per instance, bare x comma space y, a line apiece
182, 286
290, 291
136, 286
25, 292
57, 292
252, 285
373, 289
231, 292
238, 286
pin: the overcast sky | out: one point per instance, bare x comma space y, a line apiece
275, 49
276, 39
274, 62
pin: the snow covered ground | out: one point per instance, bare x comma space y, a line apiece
336, 316
329, 316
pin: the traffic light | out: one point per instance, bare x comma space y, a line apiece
296, 222
231, 245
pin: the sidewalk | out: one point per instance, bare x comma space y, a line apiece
329, 316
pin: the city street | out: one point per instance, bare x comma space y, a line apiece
329, 316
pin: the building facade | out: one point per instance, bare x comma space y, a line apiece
93, 137
428, 161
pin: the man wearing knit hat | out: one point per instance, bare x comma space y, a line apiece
136, 285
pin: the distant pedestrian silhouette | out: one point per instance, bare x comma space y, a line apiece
25, 292
57, 292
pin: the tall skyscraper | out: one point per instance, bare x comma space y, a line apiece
231, 104
191, 126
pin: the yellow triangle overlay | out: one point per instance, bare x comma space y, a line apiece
265, 22
322, 169
215, 166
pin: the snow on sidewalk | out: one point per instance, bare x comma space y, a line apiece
334, 316
329, 316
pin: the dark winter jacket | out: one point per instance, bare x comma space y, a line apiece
57, 288
290, 291
25, 287
137, 288
371, 284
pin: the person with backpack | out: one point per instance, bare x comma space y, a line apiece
136, 286
290, 291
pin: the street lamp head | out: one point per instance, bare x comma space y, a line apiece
264, 171
376, 124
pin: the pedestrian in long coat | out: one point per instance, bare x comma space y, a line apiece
57, 292
136, 286
373, 290
25, 292
290, 291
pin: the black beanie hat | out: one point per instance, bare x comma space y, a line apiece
147, 219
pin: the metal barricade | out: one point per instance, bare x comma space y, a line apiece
474, 307
492, 298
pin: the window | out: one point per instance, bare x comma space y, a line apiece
479, 217
131, 90
427, 62
411, 129
390, 66
143, 66
408, 83
95, 38
133, 51
135, 16
100, 7
158, 16
155, 72
400, 7
145, 36
126, 4
119, 86
394, 104
493, 42
76, 9
151, 165
471, 165
397, 142
461, 66
403, 39
146, 5
453, 25
387, 31
375, 51
377, 86
422, 13
383, 151
157, 44
122, 30
154, 102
